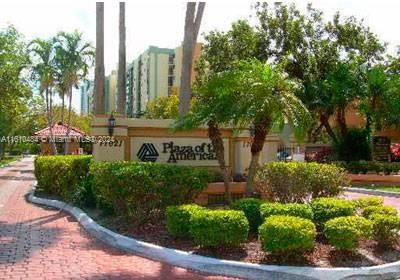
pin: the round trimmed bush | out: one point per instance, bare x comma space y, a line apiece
364, 202
326, 208
280, 234
251, 208
386, 229
178, 219
217, 228
382, 209
345, 232
288, 209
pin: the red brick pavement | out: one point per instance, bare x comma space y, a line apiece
38, 243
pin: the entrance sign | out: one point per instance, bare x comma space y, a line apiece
184, 151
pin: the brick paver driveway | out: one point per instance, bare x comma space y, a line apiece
38, 243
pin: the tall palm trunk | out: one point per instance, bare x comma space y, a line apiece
49, 114
324, 119
66, 147
99, 68
216, 139
262, 127
192, 27
62, 106
121, 106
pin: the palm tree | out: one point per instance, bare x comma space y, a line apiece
42, 56
61, 86
75, 57
268, 98
192, 27
121, 106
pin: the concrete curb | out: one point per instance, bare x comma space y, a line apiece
372, 192
213, 265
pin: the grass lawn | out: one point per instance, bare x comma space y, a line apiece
381, 188
8, 159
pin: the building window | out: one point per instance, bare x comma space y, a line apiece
171, 70
171, 59
170, 81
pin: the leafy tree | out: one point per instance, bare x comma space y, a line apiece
43, 70
213, 106
267, 97
166, 107
326, 57
73, 59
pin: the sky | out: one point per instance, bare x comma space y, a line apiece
161, 23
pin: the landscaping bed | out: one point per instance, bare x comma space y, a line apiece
323, 254
302, 223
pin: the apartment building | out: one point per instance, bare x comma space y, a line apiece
86, 94
153, 74
110, 92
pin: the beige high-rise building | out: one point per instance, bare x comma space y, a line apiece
111, 92
178, 63
153, 74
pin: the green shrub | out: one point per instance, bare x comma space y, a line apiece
61, 175
139, 191
355, 145
381, 209
284, 234
288, 209
363, 167
217, 228
178, 219
326, 208
298, 181
364, 202
386, 229
345, 232
251, 208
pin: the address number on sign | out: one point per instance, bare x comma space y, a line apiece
111, 143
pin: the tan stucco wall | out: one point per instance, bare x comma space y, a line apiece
132, 134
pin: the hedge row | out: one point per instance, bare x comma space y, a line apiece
290, 227
62, 175
364, 167
208, 228
299, 181
135, 191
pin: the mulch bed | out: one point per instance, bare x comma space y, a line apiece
323, 255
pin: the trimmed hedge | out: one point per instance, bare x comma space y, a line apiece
284, 234
299, 181
178, 219
251, 208
139, 191
380, 209
345, 232
326, 208
217, 228
288, 209
385, 229
61, 175
363, 167
364, 202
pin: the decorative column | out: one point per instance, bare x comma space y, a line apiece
121, 105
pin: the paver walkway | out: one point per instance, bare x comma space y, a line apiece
38, 243
390, 201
